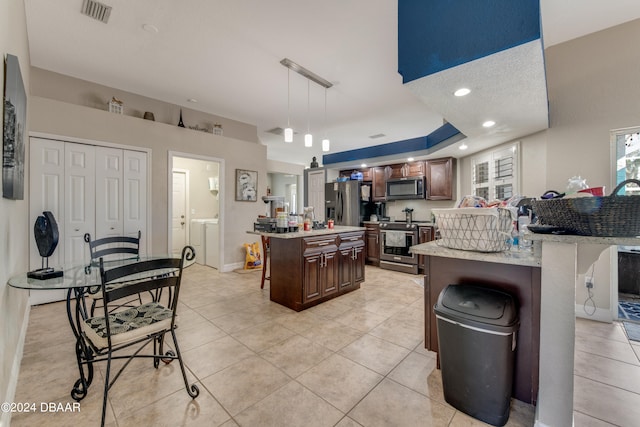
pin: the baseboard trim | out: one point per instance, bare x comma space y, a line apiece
10, 392
230, 267
600, 315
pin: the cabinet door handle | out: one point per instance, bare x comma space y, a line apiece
323, 263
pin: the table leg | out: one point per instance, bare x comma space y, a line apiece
84, 354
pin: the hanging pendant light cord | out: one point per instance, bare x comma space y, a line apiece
308, 107
288, 97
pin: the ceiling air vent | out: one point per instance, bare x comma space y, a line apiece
378, 135
96, 10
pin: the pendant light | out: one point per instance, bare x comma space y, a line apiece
326, 144
308, 138
288, 132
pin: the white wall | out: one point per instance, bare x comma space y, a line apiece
14, 229
593, 89
60, 118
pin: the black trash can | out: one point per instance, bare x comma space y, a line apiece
477, 340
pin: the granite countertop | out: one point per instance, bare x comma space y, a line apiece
417, 222
568, 238
310, 233
526, 258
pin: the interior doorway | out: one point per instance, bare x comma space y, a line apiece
196, 206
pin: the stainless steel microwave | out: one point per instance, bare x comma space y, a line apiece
406, 188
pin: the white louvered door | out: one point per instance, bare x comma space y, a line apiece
109, 192
135, 195
80, 202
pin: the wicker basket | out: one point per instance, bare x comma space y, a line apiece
607, 216
474, 229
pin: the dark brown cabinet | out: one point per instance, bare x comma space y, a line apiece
351, 265
404, 170
306, 271
366, 173
379, 184
320, 270
372, 235
426, 233
440, 178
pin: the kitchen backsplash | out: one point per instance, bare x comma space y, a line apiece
421, 208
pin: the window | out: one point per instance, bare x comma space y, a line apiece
495, 173
627, 158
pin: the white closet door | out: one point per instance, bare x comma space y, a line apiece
135, 195
46, 193
109, 197
80, 200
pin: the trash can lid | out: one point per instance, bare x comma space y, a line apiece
477, 304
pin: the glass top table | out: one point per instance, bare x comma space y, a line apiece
79, 275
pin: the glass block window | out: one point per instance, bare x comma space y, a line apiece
495, 173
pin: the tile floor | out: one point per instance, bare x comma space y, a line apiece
358, 360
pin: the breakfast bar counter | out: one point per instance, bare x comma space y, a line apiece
514, 272
310, 267
561, 259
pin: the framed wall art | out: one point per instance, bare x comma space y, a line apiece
13, 130
246, 185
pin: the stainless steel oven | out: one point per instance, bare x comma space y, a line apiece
395, 240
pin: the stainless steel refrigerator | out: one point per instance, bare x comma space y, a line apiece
349, 202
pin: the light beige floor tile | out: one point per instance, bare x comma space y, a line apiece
194, 335
611, 349
332, 334
413, 372
401, 332
331, 309
361, 319
215, 356
245, 383
391, 404
582, 420
292, 405
263, 336
348, 422
296, 355
612, 331
178, 409
299, 322
608, 371
340, 381
606, 403
376, 354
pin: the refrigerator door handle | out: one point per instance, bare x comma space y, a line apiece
339, 208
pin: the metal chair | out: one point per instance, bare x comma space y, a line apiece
136, 326
114, 248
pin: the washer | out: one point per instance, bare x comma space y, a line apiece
212, 243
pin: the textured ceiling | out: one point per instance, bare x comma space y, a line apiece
227, 56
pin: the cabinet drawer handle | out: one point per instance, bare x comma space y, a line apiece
323, 244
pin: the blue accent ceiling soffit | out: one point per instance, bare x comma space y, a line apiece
435, 35
443, 133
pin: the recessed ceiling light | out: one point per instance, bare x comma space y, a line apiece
364, 165
463, 146
150, 28
488, 123
410, 159
462, 91
195, 101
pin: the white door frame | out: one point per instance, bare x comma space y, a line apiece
187, 216
221, 193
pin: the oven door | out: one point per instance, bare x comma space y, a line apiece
395, 244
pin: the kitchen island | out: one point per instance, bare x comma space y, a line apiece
514, 272
310, 267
